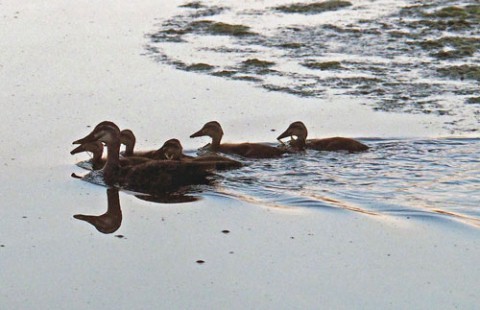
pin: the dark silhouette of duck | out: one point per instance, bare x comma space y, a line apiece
299, 130
250, 150
111, 220
173, 150
151, 177
97, 162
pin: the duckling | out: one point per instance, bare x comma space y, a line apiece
299, 130
251, 150
96, 148
97, 162
151, 177
173, 150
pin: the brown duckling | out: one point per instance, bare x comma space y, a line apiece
173, 150
251, 150
97, 162
299, 130
96, 148
151, 177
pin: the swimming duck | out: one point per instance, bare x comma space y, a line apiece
150, 177
97, 162
251, 150
299, 130
96, 148
173, 150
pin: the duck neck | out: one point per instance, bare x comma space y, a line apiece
300, 142
97, 157
129, 149
112, 166
216, 143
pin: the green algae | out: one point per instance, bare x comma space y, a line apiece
313, 8
460, 47
473, 100
225, 73
257, 63
328, 65
193, 5
199, 67
219, 28
470, 72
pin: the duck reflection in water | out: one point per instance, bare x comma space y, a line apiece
110, 221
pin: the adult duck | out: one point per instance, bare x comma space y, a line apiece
173, 150
151, 177
97, 162
299, 130
251, 150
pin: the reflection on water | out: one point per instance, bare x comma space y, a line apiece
435, 179
111, 220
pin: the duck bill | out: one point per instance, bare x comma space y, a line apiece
198, 134
285, 134
89, 138
78, 149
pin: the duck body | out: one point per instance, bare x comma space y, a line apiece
249, 150
172, 149
299, 130
336, 144
152, 176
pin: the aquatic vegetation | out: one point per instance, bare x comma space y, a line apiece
461, 46
473, 100
327, 65
193, 5
224, 73
470, 72
254, 62
385, 60
313, 8
199, 67
219, 28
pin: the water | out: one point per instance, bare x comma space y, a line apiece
398, 56
409, 178
401, 56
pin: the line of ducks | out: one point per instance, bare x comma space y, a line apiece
168, 168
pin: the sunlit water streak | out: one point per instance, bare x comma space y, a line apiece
411, 178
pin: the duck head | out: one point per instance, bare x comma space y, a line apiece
96, 148
211, 129
296, 129
172, 149
128, 139
105, 132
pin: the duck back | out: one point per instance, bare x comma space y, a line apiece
336, 144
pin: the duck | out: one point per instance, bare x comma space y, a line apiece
96, 148
97, 162
299, 130
150, 177
214, 130
172, 149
